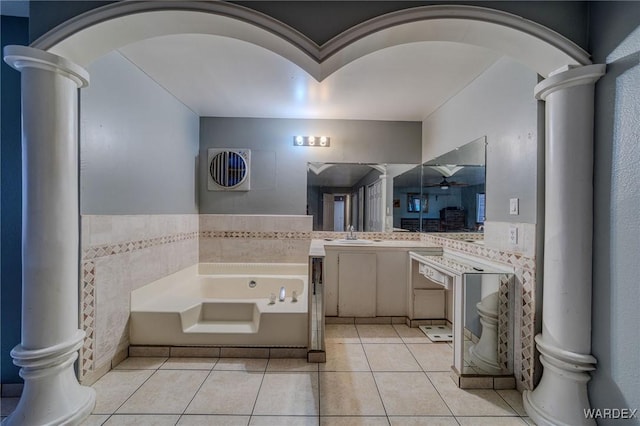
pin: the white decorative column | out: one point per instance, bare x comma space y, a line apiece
565, 343
50, 241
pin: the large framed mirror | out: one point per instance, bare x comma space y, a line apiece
449, 190
362, 195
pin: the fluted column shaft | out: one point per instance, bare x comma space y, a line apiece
565, 342
50, 240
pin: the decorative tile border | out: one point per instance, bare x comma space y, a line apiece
263, 235
87, 317
104, 250
387, 236
505, 322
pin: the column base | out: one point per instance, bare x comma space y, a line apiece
561, 398
484, 354
52, 394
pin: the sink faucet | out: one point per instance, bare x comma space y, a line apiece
351, 235
282, 294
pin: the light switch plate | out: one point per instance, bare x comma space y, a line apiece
513, 235
514, 206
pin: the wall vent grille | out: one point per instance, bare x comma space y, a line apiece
229, 169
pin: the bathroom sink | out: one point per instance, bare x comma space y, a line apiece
354, 242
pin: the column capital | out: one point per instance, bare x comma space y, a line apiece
21, 57
569, 76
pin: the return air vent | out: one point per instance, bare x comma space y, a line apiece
229, 169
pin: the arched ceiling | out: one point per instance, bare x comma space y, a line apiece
224, 77
226, 60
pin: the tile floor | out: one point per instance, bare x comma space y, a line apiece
374, 375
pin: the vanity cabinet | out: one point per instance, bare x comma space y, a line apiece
366, 281
391, 290
357, 284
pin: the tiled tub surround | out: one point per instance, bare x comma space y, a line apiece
120, 254
524, 355
254, 238
165, 244
224, 304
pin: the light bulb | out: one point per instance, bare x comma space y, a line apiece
299, 140
312, 140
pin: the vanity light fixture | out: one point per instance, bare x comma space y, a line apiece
316, 141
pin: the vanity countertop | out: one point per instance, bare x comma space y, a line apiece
458, 263
317, 248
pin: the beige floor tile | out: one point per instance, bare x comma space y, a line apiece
341, 333
288, 394
378, 333
354, 421
179, 363
241, 364
528, 421
95, 420
469, 402
142, 420
514, 399
211, 420
290, 364
349, 394
345, 357
115, 387
491, 421
166, 392
390, 357
411, 334
141, 363
284, 421
227, 392
434, 357
423, 421
409, 394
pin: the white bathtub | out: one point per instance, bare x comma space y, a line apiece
216, 304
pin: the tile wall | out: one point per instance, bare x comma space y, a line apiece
120, 254
255, 238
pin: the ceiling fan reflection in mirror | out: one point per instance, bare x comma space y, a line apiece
445, 184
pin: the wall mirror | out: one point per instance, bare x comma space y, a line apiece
488, 324
361, 195
449, 190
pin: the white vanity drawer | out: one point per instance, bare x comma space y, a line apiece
434, 275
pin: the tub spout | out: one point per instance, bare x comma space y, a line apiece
282, 294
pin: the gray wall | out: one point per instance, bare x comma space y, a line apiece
499, 104
138, 144
13, 30
279, 169
616, 291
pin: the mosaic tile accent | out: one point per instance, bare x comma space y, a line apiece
95, 252
387, 236
525, 354
275, 235
505, 333
281, 235
87, 317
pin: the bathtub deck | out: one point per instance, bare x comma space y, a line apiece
172, 310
